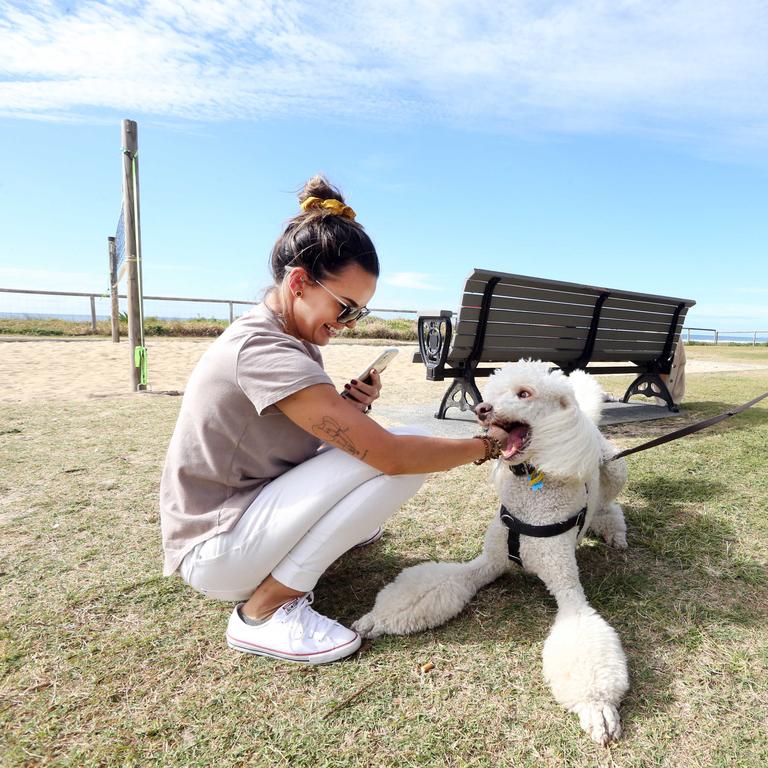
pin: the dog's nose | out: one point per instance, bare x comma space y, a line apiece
483, 411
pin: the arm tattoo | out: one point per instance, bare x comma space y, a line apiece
331, 431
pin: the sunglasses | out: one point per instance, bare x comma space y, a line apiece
348, 314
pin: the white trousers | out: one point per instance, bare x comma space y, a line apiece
298, 525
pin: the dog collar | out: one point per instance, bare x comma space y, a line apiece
535, 476
521, 469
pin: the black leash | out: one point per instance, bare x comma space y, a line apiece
689, 430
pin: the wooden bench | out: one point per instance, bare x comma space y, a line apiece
506, 317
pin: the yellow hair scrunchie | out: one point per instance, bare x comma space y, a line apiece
336, 207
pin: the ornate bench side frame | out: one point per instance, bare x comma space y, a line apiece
650, 383
435, 333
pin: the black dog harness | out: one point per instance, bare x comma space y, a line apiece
518, 527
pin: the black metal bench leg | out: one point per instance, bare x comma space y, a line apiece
462, 394
650, 385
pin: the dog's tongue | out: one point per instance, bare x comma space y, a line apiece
516, 438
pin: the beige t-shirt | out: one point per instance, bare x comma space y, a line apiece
230, 440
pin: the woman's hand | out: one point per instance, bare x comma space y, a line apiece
361, 395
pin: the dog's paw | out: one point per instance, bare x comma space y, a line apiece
615, 539
379, 621
366, 626
600, 720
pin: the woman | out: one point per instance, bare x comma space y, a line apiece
271, 475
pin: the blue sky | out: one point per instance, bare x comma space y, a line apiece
620, 143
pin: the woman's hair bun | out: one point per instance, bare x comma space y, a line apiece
319, 186
320, 241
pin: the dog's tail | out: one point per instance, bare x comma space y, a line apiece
589, 394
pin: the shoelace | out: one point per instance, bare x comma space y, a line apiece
305, 621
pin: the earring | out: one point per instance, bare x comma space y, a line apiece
299, 294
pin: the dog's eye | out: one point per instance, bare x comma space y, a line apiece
523, 393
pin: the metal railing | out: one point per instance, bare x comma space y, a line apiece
230, 302
716, 333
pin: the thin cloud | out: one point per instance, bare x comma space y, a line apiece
419, 281
752, 290
659, 66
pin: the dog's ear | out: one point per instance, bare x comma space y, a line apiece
589, 394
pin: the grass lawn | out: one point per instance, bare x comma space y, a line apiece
104, 662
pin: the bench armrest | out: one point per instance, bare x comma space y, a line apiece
435, 333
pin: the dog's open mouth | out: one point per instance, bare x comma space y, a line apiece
518, 436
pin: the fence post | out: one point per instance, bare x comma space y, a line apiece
231, 313
115, 312
93, 313
135, 332
689, 336
717, 336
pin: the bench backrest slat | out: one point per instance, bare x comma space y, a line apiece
512, 331
474, 289
573, 304
557, 355
501, 320
508, 323
481, 276
508, 297
500, 343
647, 335
497, 348
569, 340
497, 352
583, 307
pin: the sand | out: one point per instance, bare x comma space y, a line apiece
36, 370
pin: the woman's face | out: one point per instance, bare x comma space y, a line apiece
316, 310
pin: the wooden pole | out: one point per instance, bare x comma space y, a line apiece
130, 144
137, 225
113, 290
93, 314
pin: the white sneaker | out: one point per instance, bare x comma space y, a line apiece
295, 632
375, 536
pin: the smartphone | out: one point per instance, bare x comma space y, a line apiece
380, 362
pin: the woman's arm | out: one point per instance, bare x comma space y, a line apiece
320, 411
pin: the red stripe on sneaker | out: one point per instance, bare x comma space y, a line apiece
287, 653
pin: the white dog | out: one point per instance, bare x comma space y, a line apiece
555, 482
